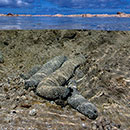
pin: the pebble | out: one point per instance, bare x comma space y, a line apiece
52, 102
32, 112
17, 98
23, 97
108, 127
32, 93
1, 84
94, 127
84, 125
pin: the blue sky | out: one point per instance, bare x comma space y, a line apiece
63, 6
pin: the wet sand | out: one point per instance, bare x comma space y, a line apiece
105, 81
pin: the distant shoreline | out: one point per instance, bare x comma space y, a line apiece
118, 14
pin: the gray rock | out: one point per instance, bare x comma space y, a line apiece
45, 70
84, 125
1, 58
32, 112
81, 104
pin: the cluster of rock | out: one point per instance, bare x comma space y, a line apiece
54, 81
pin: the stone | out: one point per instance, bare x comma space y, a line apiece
45, 70
84, 125
1, 58
32, 112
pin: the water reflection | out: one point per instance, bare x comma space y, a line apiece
94, 23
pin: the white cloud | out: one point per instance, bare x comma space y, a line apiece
15, 3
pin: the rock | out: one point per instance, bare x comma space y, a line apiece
51, 86
84, 125
32, 112
23, 97
119, 13
94, 127
9, 14
45, 70
81, 104
1, 58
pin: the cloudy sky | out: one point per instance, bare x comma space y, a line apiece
59, 6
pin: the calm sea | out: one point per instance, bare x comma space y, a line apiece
94, 23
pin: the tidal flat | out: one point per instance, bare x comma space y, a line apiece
104, 78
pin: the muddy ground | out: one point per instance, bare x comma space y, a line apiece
105, 81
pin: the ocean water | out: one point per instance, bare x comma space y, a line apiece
94, 23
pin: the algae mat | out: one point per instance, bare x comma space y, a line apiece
105, 81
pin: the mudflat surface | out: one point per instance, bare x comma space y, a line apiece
106, 80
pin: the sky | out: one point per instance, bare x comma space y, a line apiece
63, 6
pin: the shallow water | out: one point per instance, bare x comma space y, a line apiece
94, 23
